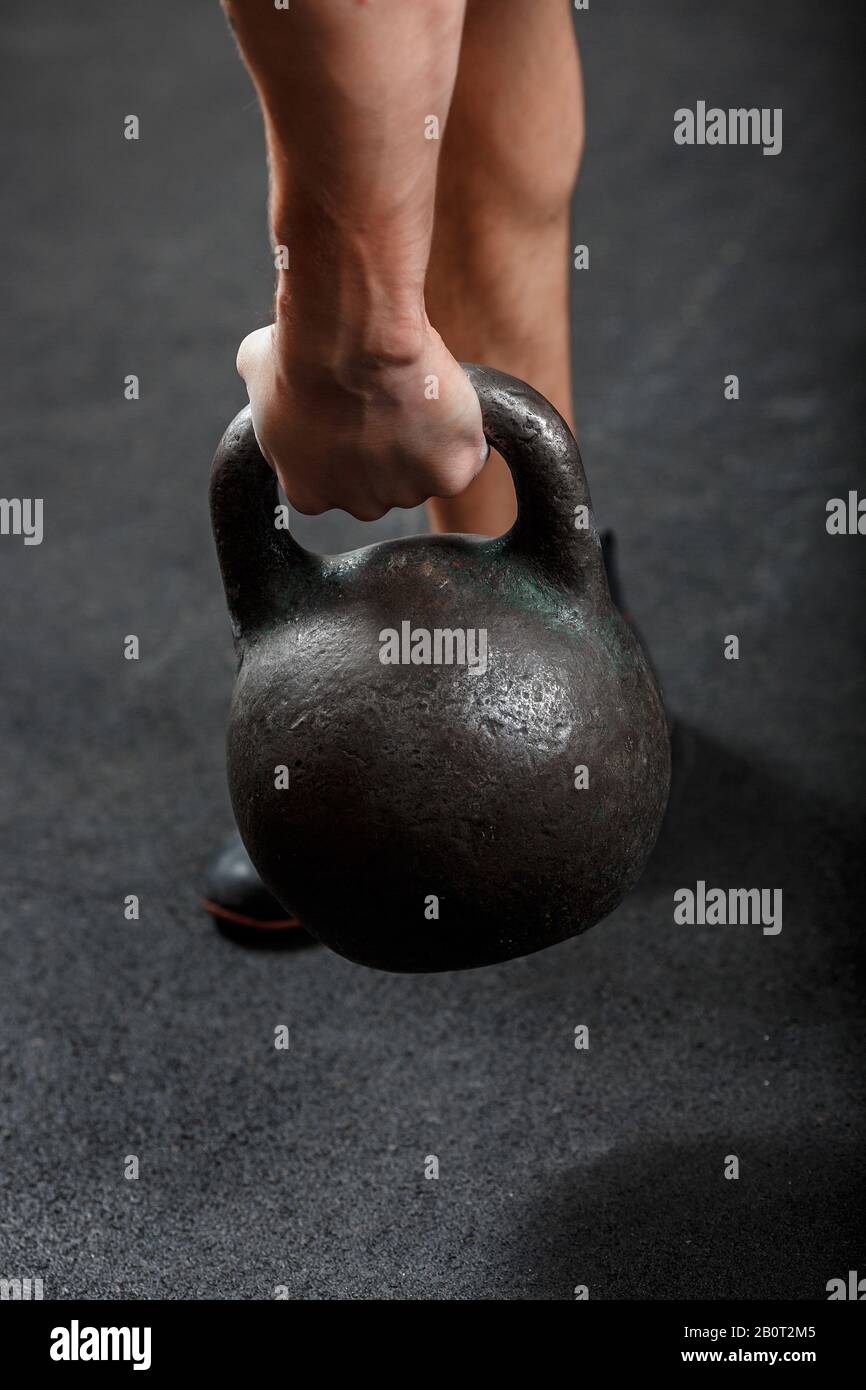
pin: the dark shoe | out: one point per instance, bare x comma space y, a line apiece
240, 903
614, 583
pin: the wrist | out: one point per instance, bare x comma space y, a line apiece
350, 303
353, 360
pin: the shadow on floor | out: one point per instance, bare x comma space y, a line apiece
661, 1221
734, 823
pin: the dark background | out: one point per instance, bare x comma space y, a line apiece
155, 1038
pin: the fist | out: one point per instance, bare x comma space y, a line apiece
382, 433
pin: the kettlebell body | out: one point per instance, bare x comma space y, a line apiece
444, 751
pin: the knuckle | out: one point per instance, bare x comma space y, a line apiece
452, 484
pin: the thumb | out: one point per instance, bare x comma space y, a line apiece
253, 351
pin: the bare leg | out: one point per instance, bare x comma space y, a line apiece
497, 280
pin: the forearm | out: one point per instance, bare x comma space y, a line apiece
347, 90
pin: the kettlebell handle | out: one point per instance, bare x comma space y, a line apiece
554, 533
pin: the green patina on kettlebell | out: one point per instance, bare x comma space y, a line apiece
433, 702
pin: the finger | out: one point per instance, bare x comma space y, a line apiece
365, 511
304, 503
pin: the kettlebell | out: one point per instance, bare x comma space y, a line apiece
443, 751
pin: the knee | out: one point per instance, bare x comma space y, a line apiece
517, 135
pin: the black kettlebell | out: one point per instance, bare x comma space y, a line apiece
444, 751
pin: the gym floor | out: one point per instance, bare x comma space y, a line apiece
558, 1167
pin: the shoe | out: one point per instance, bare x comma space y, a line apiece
614, 583
237, 899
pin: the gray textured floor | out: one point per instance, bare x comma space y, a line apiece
558, 1167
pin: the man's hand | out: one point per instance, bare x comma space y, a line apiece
388, 433
356, 401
